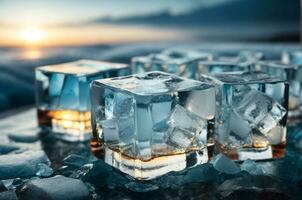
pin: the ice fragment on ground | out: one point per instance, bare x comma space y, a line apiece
58, 188
75, 160
44, 170
223, 164
22, 165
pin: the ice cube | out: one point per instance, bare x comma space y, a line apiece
260, 110
191, 103
290, 73
176, 61
250, 117
159, 115
181, 118
63, 98
184, 127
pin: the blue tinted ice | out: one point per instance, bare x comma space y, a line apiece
179, 62
251, 113
214, 67
66, 86
293, 75
224, 165
292, 57
250, 56
153, 115
63, 98
241, 57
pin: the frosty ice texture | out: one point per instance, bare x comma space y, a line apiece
63, 95
290, 73
153, 123
179, 62
251, 114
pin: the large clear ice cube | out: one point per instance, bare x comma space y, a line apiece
293, 75
176, 61
147, 123
250, 117
62, 94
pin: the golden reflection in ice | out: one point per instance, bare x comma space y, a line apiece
69, 119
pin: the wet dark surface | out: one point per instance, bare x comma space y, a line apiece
275, 179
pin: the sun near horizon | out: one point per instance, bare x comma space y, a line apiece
32, 35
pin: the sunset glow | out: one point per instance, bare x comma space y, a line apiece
32, 35
35, 24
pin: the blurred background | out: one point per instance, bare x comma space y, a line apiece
35, 32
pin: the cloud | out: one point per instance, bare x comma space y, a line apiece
218, 12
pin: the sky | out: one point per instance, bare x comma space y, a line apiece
55, 22
37, 23
60, 11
